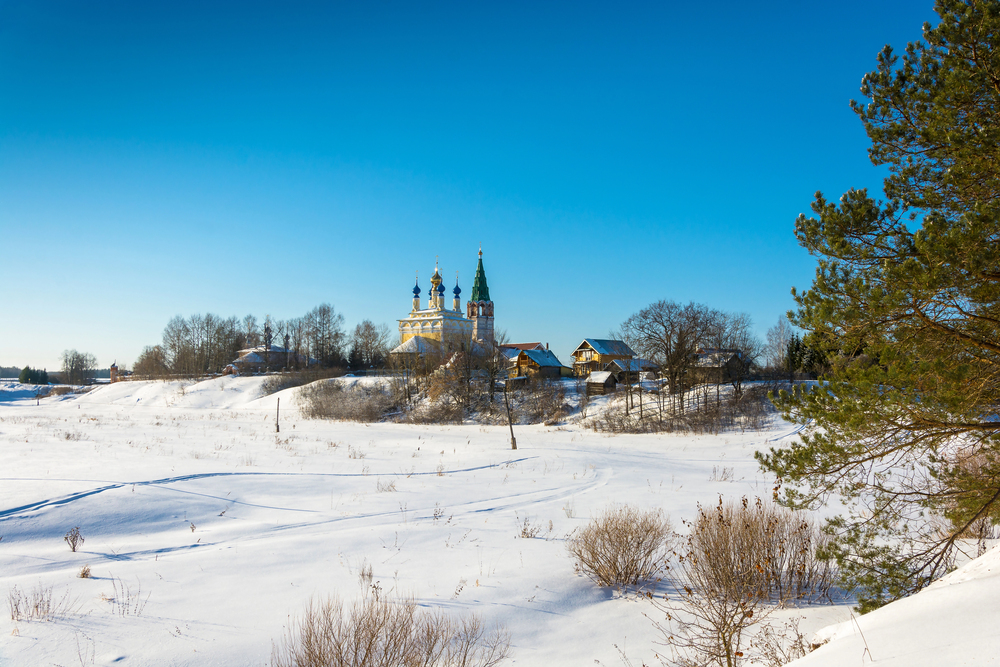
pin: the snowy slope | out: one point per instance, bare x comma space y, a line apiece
186, 492
951, 622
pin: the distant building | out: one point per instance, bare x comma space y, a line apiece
595, 354
261, 359
439, 330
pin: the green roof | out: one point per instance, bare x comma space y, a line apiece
480, 290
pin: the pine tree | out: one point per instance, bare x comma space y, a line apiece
906, 302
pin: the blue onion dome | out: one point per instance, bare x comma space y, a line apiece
440, 288
416, 289
457, 291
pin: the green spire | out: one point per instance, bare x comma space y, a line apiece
480, 290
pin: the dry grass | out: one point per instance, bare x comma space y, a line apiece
127, 601
375, 632
38, 604
623, 547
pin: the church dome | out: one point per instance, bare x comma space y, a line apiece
457, 291
416, 289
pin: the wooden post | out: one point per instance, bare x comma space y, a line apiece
510, 425
277, 412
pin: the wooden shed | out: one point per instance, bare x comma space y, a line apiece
600, 383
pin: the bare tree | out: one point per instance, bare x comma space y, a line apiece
152, 362
495, 361
251, 332
77, 367
739, 335
776, 349
370, 343
669, 334
326, 335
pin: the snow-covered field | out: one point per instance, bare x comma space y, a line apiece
185, 492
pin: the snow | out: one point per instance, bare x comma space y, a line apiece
949, 622
544, 358
185, 491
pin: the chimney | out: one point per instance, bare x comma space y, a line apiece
546, 346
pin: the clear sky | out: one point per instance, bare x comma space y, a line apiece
173, 158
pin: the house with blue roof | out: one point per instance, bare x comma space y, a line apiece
596, 354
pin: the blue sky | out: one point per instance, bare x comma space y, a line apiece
242, 158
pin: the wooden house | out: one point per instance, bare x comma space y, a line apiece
718, 365
536, 364
600, 383
595, 354
629, 370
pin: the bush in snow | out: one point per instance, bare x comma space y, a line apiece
331, 400
376, 632
73, 537
622, 547
742, 560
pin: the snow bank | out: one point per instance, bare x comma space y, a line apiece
951, 622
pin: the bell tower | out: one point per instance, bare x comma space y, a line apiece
479, 308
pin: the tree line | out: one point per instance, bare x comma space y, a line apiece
206, 344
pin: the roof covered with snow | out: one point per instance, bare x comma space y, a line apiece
716, 358
633, 365
599, 377
417, 345
525, 346
543, 357
605, 346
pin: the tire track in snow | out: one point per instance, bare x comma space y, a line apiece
162, 483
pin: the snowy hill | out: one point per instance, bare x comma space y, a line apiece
185, 494
951, 622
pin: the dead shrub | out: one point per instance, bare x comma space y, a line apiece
742, 560
622, 547
275, 382
768, 545
776, 646
74, 538
529, 530
360, 403
534, 401
750, 410
441, 412
376, 632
